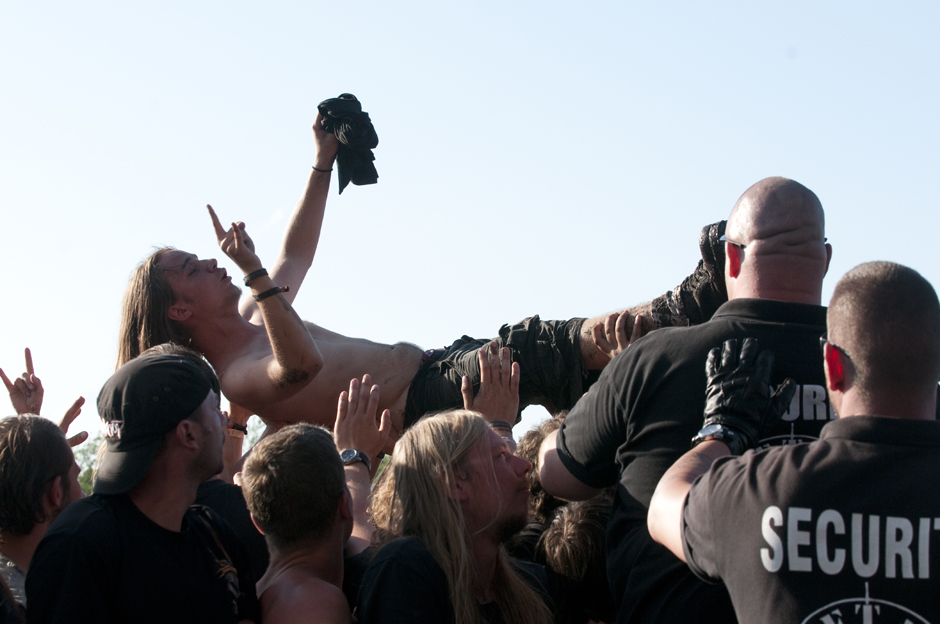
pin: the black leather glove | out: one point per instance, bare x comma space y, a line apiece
739, 396
344, 117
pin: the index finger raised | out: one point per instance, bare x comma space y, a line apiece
219, 230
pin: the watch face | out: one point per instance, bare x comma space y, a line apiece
348, 455
710, 430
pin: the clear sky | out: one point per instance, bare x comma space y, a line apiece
550, 158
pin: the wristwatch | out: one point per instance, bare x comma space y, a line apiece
734, 440
351, 456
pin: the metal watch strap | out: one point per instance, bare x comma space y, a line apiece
732, 438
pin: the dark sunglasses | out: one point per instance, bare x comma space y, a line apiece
725, 239
822, 345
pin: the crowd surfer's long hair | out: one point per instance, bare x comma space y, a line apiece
145, 320
413, 499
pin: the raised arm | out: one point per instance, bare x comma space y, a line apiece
303, 230
358, 429
498, 397
295, 358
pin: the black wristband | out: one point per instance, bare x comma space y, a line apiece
238, 427
254, 274
270, 293
322, 170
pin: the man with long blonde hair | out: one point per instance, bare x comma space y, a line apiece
450, 497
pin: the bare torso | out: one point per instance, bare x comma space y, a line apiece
392, 367
298, 595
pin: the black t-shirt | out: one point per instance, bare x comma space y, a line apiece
102, 561
846, 529
228, 501
640, 417
404, 584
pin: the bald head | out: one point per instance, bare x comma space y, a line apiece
781, 225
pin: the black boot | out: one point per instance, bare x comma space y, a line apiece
698, 296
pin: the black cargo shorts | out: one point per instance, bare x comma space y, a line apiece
549, 356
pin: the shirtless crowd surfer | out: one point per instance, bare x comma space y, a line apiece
274, 364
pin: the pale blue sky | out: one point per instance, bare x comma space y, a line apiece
550, 158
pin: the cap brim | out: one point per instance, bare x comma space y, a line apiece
121, 471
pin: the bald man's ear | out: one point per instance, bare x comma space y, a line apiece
828, 256
734, 254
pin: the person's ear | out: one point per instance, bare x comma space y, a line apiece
345, 506
255, 522
828, 256
55, 496
185, 433
179, 312
834, 365
733, 255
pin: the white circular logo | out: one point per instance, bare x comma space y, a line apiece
866, 610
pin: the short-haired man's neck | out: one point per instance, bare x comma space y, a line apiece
320, 558
849, 398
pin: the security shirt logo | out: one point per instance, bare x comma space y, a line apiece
865, 610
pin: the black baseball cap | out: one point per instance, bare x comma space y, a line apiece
142, 402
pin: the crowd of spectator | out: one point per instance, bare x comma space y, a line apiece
730, 451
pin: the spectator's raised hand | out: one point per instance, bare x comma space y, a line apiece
235, 243
356, 424
26, 391
611, 336
498, 396
70, 415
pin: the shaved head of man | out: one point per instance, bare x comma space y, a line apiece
777, 247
